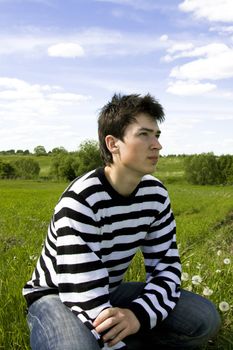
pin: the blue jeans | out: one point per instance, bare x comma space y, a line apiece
189, 326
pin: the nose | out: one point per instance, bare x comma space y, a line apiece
156, 144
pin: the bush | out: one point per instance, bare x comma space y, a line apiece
26, 168
7, 171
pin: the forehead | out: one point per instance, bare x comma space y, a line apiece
146, 121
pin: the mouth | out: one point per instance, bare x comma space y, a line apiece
153, 159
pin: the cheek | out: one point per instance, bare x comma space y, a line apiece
132, 153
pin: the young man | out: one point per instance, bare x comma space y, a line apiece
77, 298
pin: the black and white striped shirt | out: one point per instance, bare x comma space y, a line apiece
92, 238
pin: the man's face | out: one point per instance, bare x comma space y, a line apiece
139, 150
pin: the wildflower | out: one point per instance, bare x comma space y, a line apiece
207, 291
219, 252
227, 261
218, 271
189, 288
184, 276
224, 306
187, 264
32, 257
196, 279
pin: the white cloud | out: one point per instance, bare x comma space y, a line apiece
189, 88
209, 62
212, 10
164, 38
32, 114
183, 50
180, 46
222, 29
66, 50
23, 43
32, 97
145, 5
90, 42
214, 67
68, 97
101, 42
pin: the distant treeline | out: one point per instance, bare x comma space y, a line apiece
200, 169
38, 151
64, 165
208, 169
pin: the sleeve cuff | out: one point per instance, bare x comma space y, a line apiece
141, 315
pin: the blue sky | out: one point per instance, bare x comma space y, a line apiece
61, 61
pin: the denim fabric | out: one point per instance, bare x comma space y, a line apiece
189, 326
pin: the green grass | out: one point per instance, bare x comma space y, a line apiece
25, 208
204, 228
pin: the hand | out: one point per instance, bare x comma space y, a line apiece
119, 322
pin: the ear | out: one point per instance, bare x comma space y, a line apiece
112, 144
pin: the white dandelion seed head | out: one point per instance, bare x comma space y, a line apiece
227, 261
207, 291
224, 306
184, 276
196, 279
189, 288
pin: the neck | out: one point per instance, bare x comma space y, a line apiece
120, 180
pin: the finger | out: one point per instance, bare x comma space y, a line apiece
104, 315
108, 323
118, 338
104, 326
113, 332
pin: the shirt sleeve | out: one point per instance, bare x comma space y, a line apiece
163, 271
83, 281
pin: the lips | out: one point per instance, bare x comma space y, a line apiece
154, 159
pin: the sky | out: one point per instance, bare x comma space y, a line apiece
61, 61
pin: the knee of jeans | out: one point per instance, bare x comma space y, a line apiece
211, 321
38, 336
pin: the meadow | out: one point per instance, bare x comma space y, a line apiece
204, 216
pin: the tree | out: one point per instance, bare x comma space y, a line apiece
88, 157
58, 150
202, 169
62, 166
10, 151
225, 163
40, 151
70, 165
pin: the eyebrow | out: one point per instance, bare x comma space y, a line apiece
158, 132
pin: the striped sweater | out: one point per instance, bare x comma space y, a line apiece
92, 238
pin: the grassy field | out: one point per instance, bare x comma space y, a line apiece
204, 218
